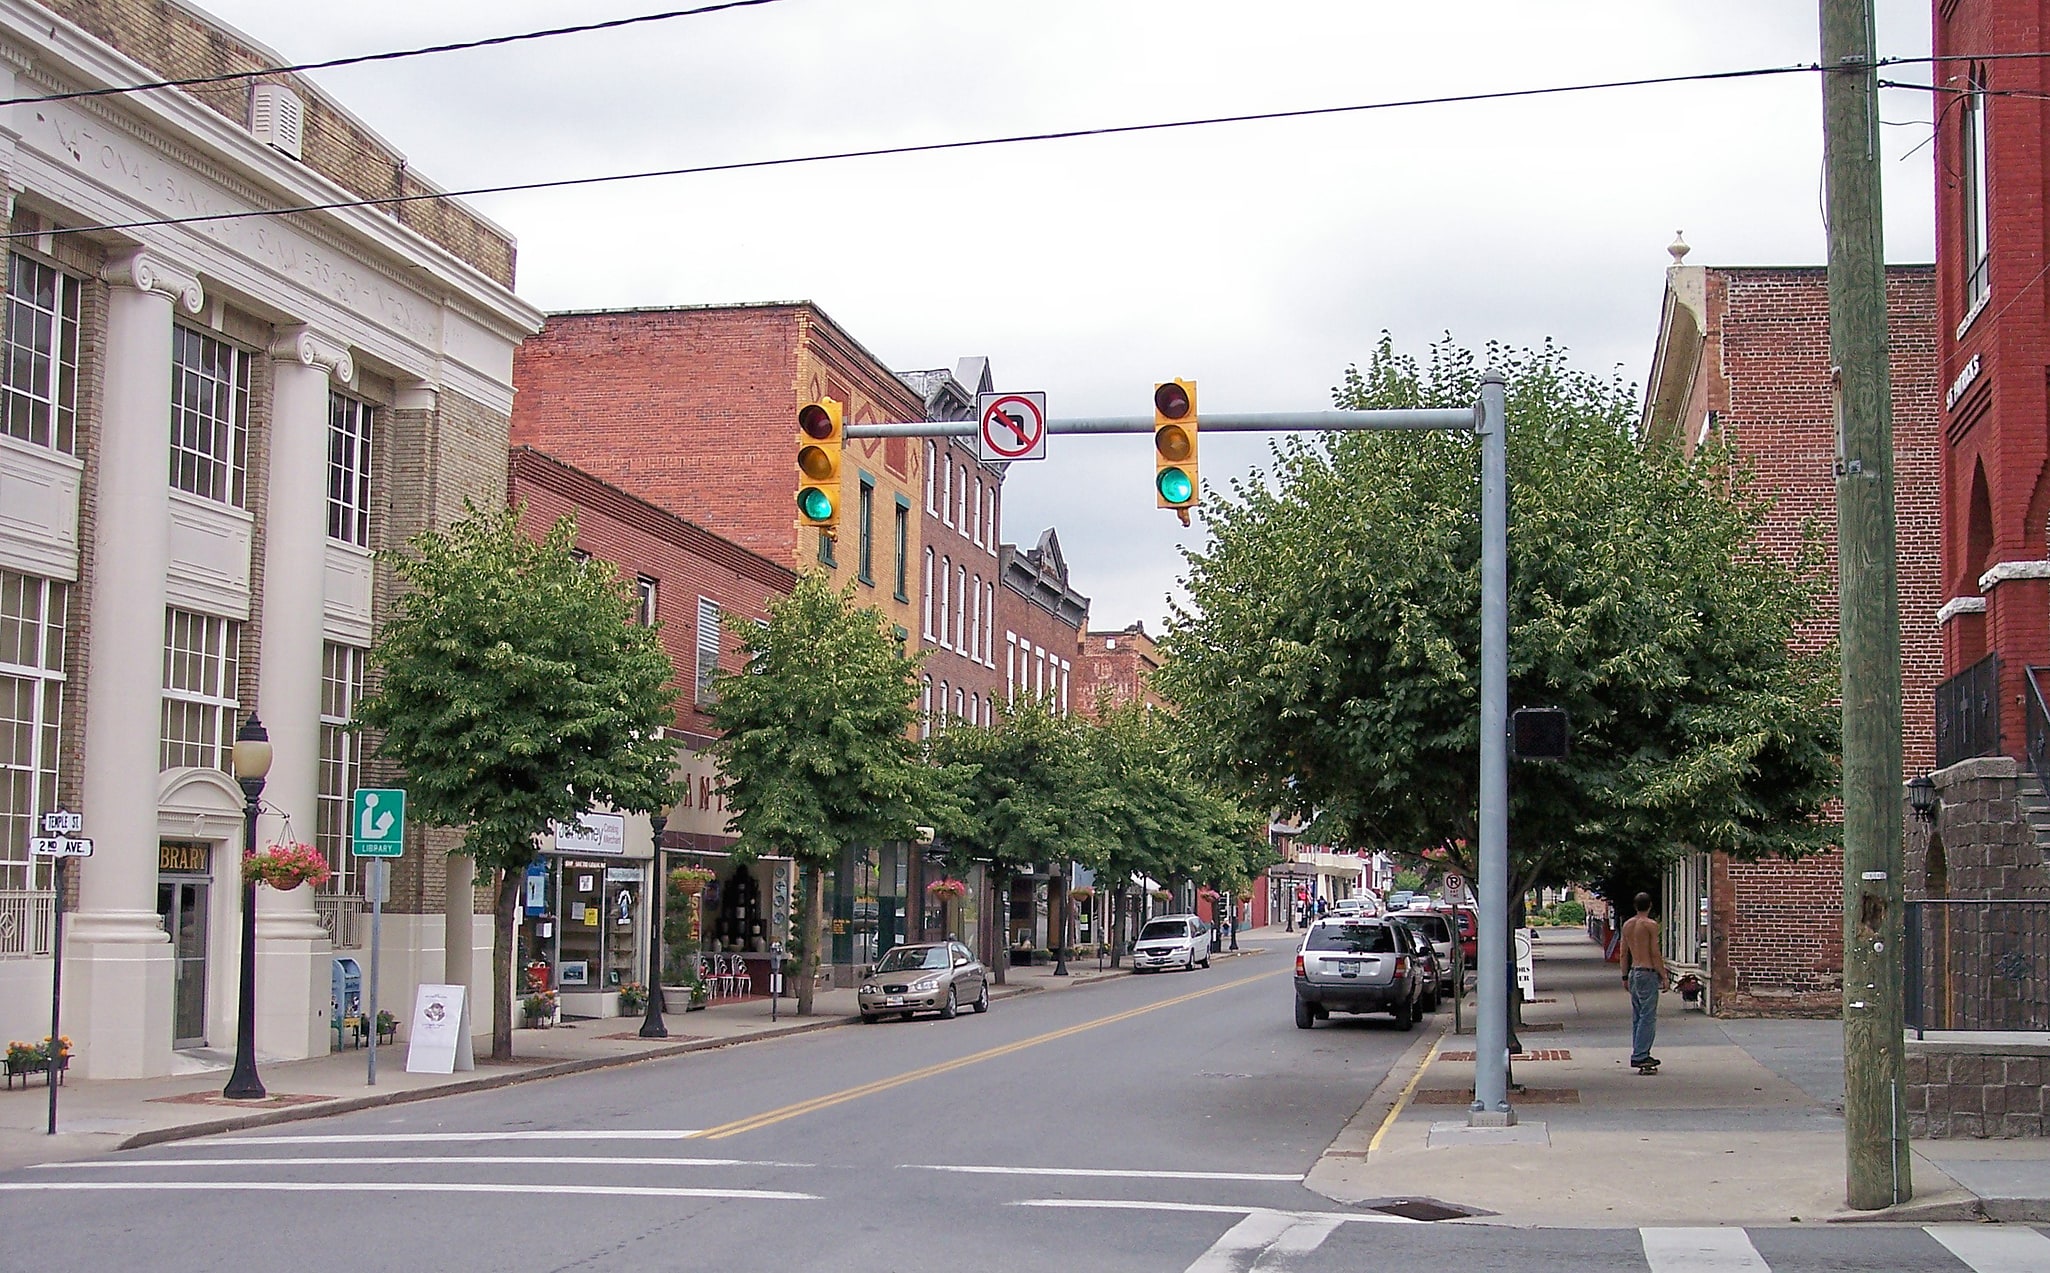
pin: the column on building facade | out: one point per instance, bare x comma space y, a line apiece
120, 960
293, 947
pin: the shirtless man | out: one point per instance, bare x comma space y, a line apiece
1644, 971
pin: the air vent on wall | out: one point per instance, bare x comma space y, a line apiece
277, 118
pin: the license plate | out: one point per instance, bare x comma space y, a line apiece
1350, 968
894, 1001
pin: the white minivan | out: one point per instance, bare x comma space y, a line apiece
1171, 941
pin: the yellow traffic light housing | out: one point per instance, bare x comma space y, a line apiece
819, 440
1174, 446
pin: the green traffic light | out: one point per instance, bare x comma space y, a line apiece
1174, 486
815, 504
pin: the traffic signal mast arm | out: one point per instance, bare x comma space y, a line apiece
1457, 419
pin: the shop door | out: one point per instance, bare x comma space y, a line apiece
182, 905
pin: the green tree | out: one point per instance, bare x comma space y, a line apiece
816, 752
1025, 790
515, 690
1330, 654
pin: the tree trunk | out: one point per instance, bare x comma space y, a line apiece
1000, 915
814, 924
1115, 933
504, 903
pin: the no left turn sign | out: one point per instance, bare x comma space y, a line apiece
1012, 426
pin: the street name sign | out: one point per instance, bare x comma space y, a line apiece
380, 825
1011, 426
63, 822
60, 847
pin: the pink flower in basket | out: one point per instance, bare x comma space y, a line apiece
947, 890
287, 866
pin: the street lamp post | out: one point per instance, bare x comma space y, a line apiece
652, 1025
251, 758
1060, 950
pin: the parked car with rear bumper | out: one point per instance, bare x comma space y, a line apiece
1352, 964
941, 977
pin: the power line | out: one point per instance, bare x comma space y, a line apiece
230, 77
927, 148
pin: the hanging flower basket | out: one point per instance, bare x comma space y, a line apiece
1083, 893
287, 866
690, 880
946, 890
1162, 895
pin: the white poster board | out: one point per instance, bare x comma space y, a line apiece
1526, 972
441, 1021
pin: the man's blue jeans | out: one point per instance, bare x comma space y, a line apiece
1644, 1013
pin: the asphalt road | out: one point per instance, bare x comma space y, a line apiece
1151, 1123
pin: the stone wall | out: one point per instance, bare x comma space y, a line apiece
1974, 1090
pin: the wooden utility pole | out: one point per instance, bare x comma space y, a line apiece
1876, 1170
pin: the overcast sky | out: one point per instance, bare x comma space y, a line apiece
1258, 258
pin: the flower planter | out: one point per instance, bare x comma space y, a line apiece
25, 1070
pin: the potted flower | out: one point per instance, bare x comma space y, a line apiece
633, 998
287, 866
540, 1008
24, 1059
387, 1027
690, 880
1083, 894
946, 890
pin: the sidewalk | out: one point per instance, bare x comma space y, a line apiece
1742, 1125
98, 1117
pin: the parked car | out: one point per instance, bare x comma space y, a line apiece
1436, 929
1399, 899
1355, 964
1360, 904
1171, 941
1469, 931
924, 977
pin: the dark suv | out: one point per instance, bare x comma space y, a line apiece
1359, 964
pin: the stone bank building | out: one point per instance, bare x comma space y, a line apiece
207, 430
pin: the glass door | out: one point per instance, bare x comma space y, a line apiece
182, 905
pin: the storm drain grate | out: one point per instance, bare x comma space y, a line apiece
1541, 1054
1421, 1209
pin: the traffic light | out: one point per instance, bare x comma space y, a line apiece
1174, 446
818, 464
1539, 733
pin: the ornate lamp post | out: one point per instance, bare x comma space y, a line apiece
652, 1025
251, 758
1923, 797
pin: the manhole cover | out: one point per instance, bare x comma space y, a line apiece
1421, 1209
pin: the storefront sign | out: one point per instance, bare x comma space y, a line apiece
441, 1017
622, 875
185, 859
594, 833
700, 810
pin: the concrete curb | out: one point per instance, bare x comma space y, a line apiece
1358, 1133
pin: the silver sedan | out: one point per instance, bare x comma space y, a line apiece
940, 977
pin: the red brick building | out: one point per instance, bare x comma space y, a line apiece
960, 529
1114, 668
1743, 358
694, 409
1043, 620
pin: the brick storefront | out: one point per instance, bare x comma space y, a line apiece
1743, 359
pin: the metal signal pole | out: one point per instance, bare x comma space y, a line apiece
1876, 1161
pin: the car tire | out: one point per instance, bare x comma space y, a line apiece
1406, 1016
869, 1018
1206, 961
951, 1008
1305, 1016
982, 998
1428, 1005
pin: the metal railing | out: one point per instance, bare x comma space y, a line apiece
1968, 713
2036, 714
26, 916
1977, 964
341, 914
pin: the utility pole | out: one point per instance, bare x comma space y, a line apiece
1876, 1165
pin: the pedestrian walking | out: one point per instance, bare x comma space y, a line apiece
1644, 972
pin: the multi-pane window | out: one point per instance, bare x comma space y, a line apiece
975, 512
341, 762
932, 462
925, 707
1972, 185
209, 416
41, 369
202, 659
974, 618
928, 594
947, 492
32, 621
946, 601
865, 556
961, 608
902, 532
708, 650
348, 470
989, 522
647, 593
989, 610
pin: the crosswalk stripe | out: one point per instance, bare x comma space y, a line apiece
1700, 1251
1989, 1248
1112, 1173
397, 1186
374, 1138
424, 1160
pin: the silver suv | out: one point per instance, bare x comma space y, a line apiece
1171, 941
1351, 963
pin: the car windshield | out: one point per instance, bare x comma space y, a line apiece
1164, 928
913, 958
1354, 939
1433, 927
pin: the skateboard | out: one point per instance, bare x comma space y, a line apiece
1648, 1068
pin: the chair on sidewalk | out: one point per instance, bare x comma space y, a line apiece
708, 972
736, 976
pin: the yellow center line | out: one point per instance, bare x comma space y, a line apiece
755, 1122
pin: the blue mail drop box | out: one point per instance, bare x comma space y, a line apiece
348, 990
